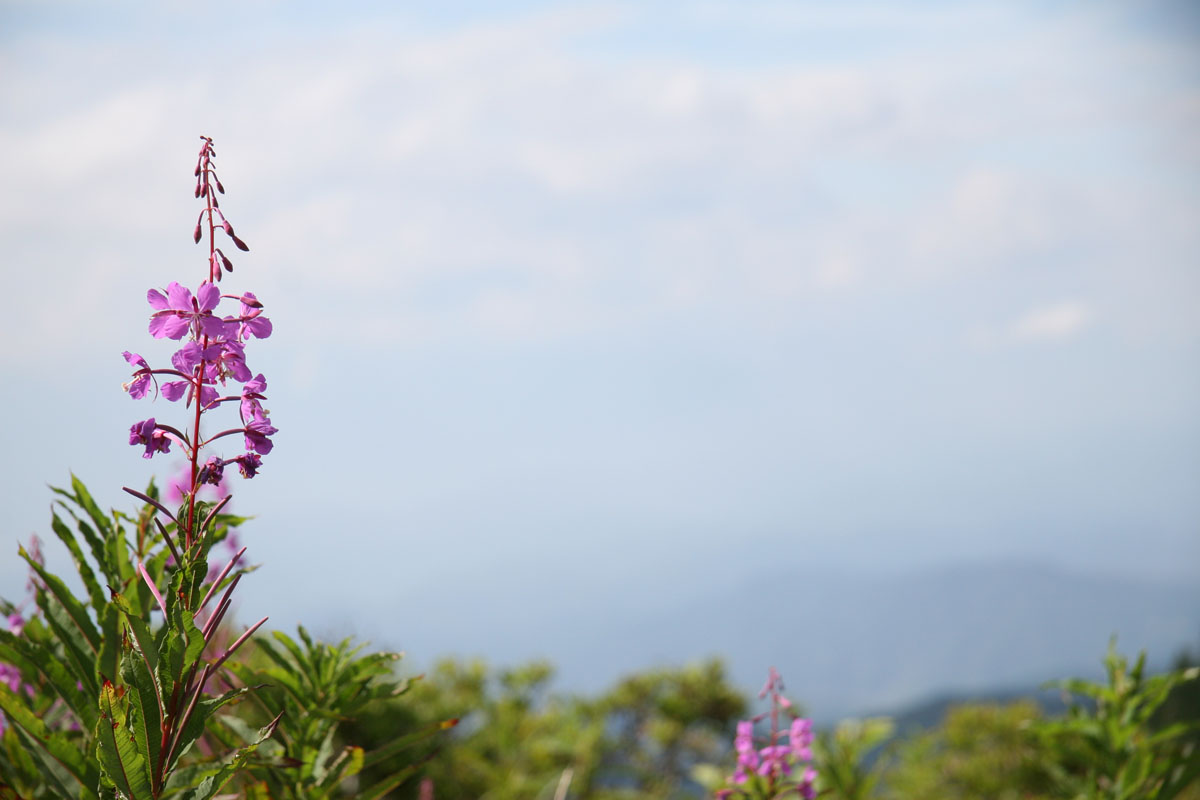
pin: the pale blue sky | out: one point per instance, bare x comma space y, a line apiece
621, 300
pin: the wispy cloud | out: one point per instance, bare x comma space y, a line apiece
1060, 321
528, 175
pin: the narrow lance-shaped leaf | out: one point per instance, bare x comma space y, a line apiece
146, 723
84, 498
52, 745
80, 660
95, 593
19, 648
215, 782
66, 598
123, 763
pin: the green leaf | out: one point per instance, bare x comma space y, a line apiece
387, 784
94, 590
44, 767
215, 781
122, 762
146, 642
398, 744
146, 723
199, 719
109, 657
19, 648
95, 543
60, 629
84, 498
349, 762
53, 745
75, 610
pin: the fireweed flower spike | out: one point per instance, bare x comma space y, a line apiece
211, 356
766, 768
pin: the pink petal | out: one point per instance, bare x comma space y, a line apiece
156, 299
259, 327
208, 296
179, 297
175, 327
174, 390
213, 327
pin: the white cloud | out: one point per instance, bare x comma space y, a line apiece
497, 178
1060, 321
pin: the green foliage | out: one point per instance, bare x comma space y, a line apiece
979, 751
318, 687
516, 739
842, 756
668, 722
1106, 747
111, 703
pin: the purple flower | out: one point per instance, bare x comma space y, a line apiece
800, 738
10, 676
252, 323
227, 360
140, 385
252, 392
257, 432
775, 761
807, 790
147, 433
16, 624
178, 312
187, 357
212, 471
173, 390
249, 464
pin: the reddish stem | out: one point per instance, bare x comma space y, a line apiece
195, 459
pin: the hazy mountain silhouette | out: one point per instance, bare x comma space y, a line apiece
845, 643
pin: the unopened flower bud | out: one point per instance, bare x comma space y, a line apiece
225, 260
220, 188
240, 244
228, 228
197, 190
196, 234
197, 172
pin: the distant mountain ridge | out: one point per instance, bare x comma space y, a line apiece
852, 644
847, 644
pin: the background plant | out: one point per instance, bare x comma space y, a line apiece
1107, 745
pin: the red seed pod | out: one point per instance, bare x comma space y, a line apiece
240, 244
196, 234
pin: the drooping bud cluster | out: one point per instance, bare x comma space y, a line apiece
767, 767
212, 360
206, 182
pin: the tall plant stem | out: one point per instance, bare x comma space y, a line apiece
199, 376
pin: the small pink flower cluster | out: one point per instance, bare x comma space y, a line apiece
10, 675
767, 771
774, 761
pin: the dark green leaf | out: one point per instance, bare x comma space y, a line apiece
123, 763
